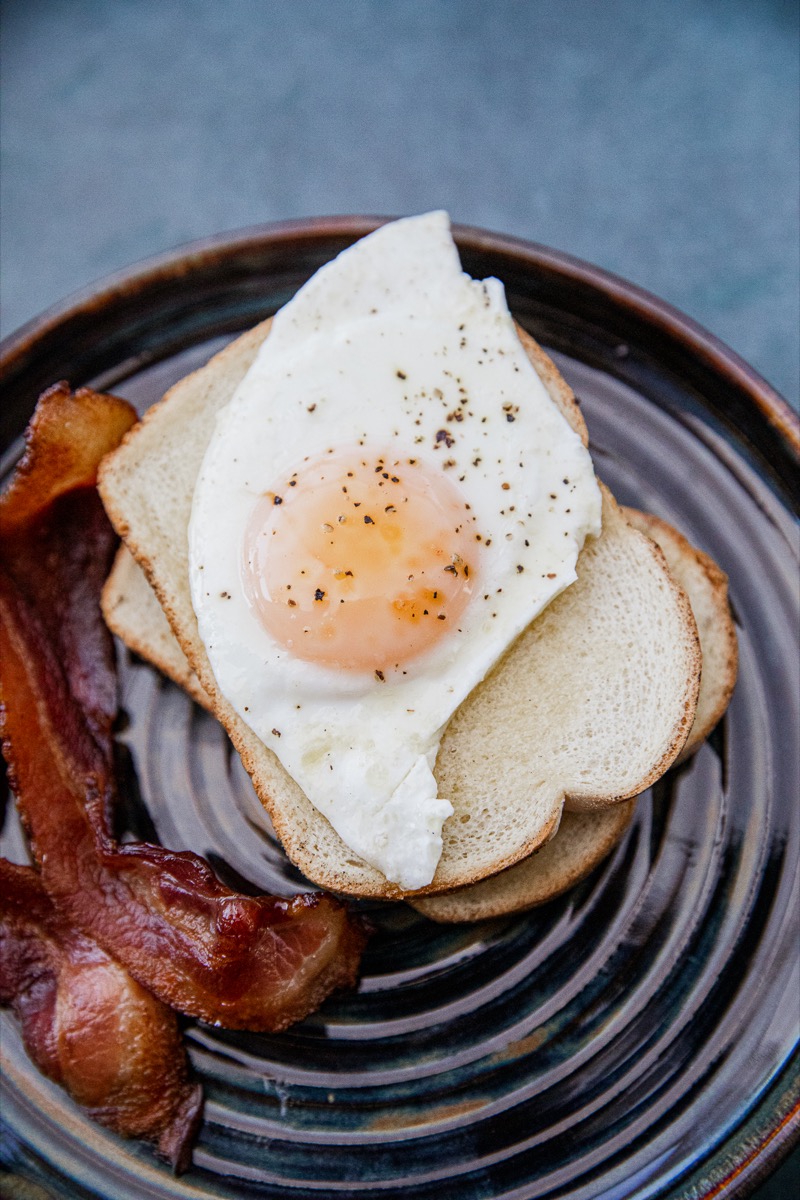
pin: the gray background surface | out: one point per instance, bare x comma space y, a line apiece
656, 139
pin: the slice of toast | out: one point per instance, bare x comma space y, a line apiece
593, 702
585, 839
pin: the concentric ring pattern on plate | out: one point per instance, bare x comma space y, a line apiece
636, 1037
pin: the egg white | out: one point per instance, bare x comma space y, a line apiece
380, 347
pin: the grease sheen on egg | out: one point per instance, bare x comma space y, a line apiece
389, 498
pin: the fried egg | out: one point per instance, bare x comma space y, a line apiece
388, 500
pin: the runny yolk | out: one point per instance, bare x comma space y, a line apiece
361, 561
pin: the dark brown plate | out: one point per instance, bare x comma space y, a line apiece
637, 1037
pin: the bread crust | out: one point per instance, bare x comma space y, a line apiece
706, 585
582, 842
132, 613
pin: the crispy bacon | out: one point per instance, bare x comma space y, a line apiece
90, 1027
244, 962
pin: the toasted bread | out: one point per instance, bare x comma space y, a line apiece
592, 703
583, 840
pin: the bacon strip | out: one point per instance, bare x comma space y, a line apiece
90, 1027
242, 962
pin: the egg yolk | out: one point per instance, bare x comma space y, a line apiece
361, 561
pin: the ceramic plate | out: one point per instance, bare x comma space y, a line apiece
637, 1037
